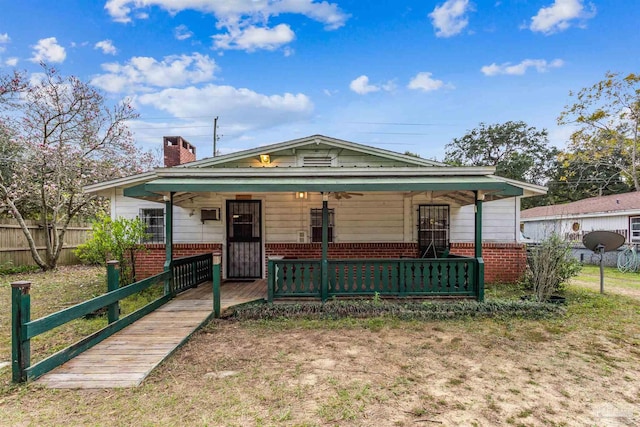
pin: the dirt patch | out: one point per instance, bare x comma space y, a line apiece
433, 373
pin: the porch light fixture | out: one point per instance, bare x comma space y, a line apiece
265, 159
301, 194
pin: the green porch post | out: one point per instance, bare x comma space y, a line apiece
215, 285
478, 245
324, 263
168, 226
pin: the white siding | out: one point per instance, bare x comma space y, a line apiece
498, 222
541, 229
187, 225
372, 217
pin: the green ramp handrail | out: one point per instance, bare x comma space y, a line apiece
24, 329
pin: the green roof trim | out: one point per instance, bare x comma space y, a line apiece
325, 184
139, 191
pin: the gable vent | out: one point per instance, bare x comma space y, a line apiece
316, 161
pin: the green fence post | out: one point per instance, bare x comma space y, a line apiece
20, 314
480, 280
113, 283
271, 279
216, 286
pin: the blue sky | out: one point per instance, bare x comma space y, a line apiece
398, 75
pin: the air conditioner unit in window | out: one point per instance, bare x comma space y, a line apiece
211, 214
302, 236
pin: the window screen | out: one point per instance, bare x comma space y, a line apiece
154, 220
433, 230
316, 225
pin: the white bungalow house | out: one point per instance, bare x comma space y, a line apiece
619, 213
325, 216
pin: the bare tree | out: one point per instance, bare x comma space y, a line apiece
68, 137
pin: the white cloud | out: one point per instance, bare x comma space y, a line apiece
181, 32
107, 47
541, 65
252, 38
11, 62
4, 39
242, 20
450, 18
242, 109
361, 85
141, 72
48, 50
559, 16
423, 81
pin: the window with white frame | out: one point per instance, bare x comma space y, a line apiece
154, 220
634, 229
316, 225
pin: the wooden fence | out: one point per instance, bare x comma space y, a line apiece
14, 248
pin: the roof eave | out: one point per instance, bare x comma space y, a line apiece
296, 143
119, 182
323, 171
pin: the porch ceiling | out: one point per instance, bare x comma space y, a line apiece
155, 189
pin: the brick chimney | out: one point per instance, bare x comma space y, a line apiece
178, 151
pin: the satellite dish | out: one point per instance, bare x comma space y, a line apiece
603, 241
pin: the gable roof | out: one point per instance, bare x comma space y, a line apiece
613, 204
310, 140
407, 173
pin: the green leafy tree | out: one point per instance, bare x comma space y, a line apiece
517, 151
576, 178
607, 117
118, 239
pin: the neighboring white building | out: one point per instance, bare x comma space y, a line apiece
619, 213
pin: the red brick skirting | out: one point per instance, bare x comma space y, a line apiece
504, 262
152, 260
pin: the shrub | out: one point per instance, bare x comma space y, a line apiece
9, 268
549, 266
114, 239
337, 309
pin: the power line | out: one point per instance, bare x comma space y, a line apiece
169, 127
398, 133
402, 124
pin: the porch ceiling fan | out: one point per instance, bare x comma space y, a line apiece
344, 195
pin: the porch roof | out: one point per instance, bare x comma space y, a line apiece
155, 189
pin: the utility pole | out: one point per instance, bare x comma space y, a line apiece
215, 134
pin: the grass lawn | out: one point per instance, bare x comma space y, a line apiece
582, 368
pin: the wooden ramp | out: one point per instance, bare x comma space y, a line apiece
127, 357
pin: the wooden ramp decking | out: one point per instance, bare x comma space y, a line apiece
127, 357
